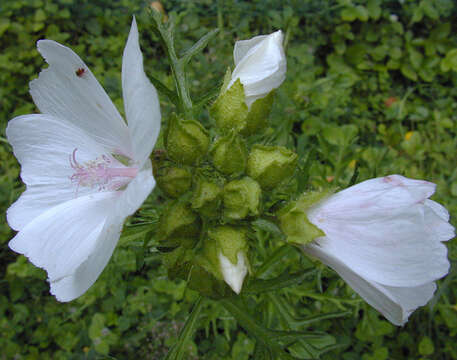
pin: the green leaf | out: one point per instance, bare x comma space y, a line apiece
268, 227
416, 58
450, 61
349, 14
178, 350
426, 346
429, 9
287, 279
4, 25
374, 10
409, 72
198, 46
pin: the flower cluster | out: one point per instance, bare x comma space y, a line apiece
86, 171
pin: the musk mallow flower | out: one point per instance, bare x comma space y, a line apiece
260, 64
84, 168
384, 238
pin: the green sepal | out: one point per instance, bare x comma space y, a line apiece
230, 109
241, 198
229, 154
186, 140
178, 225
294, 219
193, 266
172, 180
230, 240
270, 165
257, 117
206, 198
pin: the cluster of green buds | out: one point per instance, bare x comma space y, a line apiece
218, 182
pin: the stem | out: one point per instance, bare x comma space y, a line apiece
178, 350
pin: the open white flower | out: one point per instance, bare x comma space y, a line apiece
260, 64
234, 274
85, 170
384, 237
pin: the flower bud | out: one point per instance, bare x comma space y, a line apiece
294, 219
207, 198
173, 181
230, 109
195, 268
229, 154
241, 198
229, 249
260, 65
178, 225
270, 165
186, 140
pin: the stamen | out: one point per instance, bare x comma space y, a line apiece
104, 172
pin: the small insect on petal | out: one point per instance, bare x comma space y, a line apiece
80, 72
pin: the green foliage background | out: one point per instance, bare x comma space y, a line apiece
370, 84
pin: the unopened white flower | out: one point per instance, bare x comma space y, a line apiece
234, 274
84, 168
260, 64
384, 237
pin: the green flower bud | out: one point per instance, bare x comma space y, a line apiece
225, 240
229, 240
173, 181
178, 225
230, 109
270, 165
294, 219
229, 154
186, 140
241, 198
207, 198
227, 256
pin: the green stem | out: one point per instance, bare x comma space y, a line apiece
186, 333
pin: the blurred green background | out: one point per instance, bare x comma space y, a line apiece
370, 84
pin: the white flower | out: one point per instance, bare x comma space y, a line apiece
383, 236
85, 170
233, 274
260, 64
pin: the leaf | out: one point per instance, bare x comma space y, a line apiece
450, 61
268, 227
408, 72
198, 46
373, 8
285, 280
426, 346
178, 350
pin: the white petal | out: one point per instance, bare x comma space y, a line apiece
234, 274
140, 99
62, 238
136, 192
381, 229
439, 209
395, 303
436, 219
77, 283
80, 100
377, 195
260, 64
43, 145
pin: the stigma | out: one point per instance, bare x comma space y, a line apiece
103, 173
